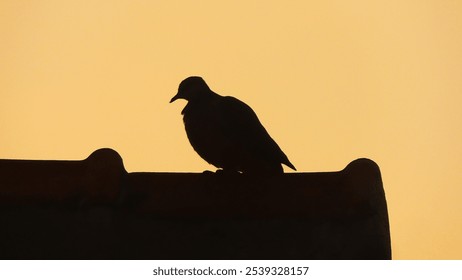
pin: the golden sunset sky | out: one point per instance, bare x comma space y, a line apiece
331, 81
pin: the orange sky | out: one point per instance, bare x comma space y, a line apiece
331, 82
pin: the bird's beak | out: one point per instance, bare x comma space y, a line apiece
177, 96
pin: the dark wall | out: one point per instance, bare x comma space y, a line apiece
94, 209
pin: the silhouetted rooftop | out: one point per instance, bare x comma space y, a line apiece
94, 209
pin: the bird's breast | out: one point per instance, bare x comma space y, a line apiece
205, 133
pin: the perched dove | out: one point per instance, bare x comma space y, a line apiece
226, 132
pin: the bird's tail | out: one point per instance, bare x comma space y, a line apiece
289, 164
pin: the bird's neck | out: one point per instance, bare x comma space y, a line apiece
204, 101
204, 97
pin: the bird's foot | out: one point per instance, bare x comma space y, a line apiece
227, 172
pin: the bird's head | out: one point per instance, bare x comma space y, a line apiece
191, 89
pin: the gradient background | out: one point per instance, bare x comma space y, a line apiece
331, 82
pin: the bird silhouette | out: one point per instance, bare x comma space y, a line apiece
226, 132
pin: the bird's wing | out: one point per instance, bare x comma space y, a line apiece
241, 125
